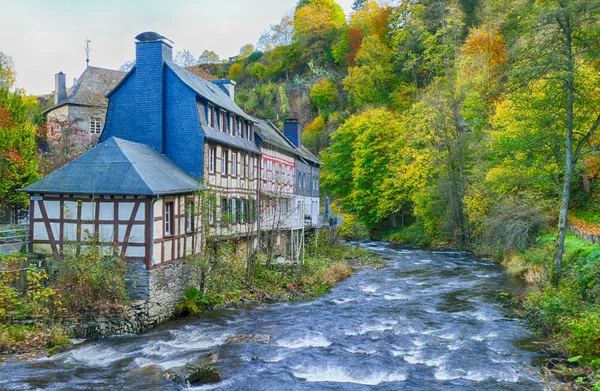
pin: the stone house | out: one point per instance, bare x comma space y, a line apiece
82, 109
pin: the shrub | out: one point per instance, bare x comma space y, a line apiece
354, 229
584, 334
515, 220
413, 234
91, 281
547, 307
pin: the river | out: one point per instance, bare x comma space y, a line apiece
429, 320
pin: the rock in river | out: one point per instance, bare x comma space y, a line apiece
190, 373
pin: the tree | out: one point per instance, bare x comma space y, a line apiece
127, 65
323, 93
373, 80
279, 34
18, 152
208, 57
357, 162
185, 59
318, 25
7, 71
556, 38
246, 50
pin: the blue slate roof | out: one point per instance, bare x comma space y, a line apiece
269, 134
232, 141
209, 91
118, 167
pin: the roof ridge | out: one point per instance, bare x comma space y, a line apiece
118, 142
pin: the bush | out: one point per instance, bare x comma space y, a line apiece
353, 229
91, 281
413, 234
515, 220
584, 334
547, 307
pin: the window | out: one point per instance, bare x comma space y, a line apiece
211, 213
95, 126
212, 153
189, 217
250, 131
224, 206
234, 163
212, 117
252, 163
169, 218
224, 162
243, 165
223, 122
240, 128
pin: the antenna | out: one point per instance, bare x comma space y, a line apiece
87, 49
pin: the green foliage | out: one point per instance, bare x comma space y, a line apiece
323, 93
18, 149
413, 234
91, 279
584, 334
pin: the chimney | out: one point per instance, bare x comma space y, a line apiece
228, 86
293, 131
60, 87
152, 50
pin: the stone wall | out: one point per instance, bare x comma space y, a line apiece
160, 290
589, 237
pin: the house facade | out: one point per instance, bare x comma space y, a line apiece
177, 164
81, 111
308, 171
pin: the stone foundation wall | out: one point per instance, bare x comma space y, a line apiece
155, 294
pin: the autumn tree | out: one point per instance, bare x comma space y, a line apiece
208, 57
185, 59
318, 24
279, 34
7, 71
553, 43
373, 80
18, 152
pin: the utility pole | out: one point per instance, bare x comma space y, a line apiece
87, 51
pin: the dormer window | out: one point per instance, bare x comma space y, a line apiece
239, 127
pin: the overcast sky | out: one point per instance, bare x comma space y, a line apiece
47, 36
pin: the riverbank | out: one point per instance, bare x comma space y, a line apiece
567, 316
226, 286
428, 320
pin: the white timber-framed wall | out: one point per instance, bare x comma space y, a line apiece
278, 206
235, 186
133, 226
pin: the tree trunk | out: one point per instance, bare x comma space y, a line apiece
566, 189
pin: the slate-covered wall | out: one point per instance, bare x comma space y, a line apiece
184, 141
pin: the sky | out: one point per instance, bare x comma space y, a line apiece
45, 37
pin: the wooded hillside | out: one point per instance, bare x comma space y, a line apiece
473, 120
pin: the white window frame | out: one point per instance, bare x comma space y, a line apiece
234, 163
95, 125
212, 159
224, 162
169, 205
189, 223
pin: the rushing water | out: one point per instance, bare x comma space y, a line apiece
429, 320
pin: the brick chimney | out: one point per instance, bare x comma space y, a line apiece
60, 87
228, 86
152, 50
293, 131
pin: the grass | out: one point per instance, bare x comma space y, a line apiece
567, 315
30, 338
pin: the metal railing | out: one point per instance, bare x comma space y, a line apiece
13, 238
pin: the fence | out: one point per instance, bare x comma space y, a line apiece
14, 238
